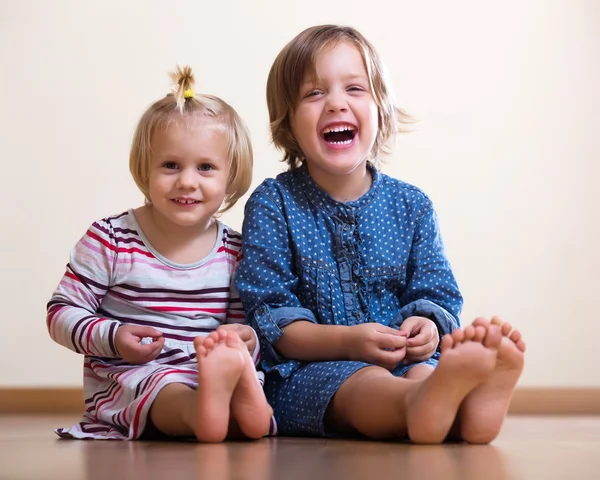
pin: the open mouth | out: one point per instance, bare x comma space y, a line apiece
185, 201
340, 134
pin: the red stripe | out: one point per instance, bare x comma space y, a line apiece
110, 246
89, 333
52, 312
70, 275
222, 248
97, 406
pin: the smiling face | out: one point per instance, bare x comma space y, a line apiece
335, 121
188, 172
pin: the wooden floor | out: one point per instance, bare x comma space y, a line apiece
528, 448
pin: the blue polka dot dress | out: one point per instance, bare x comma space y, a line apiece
309, 257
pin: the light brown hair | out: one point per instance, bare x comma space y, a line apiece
180, 105
297, 59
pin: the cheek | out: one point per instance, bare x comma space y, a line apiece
159, 183
375, 116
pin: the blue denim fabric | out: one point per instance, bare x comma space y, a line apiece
306, 256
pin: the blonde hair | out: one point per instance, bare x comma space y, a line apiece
182, 104
297, 59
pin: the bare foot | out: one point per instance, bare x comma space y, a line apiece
249, 405
219, 369
483, 410
468, 357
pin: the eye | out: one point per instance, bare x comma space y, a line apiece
313, 93
356, 88
170, 165
205, 167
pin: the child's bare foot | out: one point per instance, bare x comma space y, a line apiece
483, 410
468, 357
249, 406
219, 369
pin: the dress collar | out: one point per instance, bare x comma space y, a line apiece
345, 211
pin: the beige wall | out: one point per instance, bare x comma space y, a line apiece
509, 148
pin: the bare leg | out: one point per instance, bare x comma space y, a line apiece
467, 359
174, 410
179, 410
220, 366
379, 405
484, 409
249, 406
419, 372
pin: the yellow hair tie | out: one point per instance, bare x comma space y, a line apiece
189, 93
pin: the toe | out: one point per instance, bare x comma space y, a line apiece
493, 337
447, 342
481, 322
479, 334
515, 336
469, 333
458, 335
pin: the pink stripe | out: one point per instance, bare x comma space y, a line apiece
188, 309
151, 263
95, 248
159, 266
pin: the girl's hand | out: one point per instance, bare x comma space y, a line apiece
245, 332
423, 338
128, 342
377, 344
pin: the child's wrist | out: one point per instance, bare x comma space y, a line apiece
346, 341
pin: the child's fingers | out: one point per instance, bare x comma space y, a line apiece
391, 342
151, 350
386, 330
389, 359
425, 336
145, 331
420, 351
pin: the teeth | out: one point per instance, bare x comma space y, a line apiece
186, 202
339, 128
345, 142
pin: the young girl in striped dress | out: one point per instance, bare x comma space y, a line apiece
147, 296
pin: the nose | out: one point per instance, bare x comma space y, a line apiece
336, 101
188, 179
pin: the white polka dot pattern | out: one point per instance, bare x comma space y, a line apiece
306, 256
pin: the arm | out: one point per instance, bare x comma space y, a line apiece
72, 320
368, 342
432, 291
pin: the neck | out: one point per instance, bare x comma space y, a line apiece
178, 234
347, 187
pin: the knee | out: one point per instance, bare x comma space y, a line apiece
419, 372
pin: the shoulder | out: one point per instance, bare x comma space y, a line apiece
116, 227
231, 239
279, 190
281, 184
404, 194
229, 236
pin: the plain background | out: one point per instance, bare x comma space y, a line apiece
508, 147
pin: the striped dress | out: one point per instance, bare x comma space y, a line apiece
115, 277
